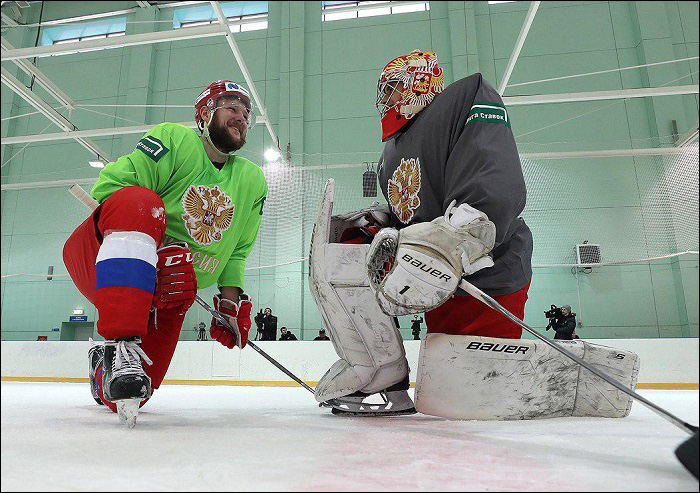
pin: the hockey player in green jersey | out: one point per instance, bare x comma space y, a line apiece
181, 211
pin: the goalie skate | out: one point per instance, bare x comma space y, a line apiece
393, 403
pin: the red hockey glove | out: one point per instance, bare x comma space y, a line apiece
176, 284
239, 317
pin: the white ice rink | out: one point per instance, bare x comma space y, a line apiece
54, 437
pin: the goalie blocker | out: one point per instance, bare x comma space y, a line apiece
469, 377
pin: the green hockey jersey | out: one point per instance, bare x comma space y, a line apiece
216, 212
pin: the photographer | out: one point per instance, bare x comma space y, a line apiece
201, 331
563, 321
269, 322
415, 327
259, 324
266, 323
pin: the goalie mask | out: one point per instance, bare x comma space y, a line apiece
407, 84
212, 98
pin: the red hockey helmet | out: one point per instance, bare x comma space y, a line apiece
417, 78
209, 98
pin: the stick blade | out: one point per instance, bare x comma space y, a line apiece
687, 453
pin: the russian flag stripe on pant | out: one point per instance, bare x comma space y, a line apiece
126, 272
126, 279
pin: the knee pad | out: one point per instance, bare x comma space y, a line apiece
372, 356
133, 209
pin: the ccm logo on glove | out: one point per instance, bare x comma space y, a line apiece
178, 259
176, 283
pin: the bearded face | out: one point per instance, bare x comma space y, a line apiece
228, 130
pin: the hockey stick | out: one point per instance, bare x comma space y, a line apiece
79, 193
220, 317
493, 304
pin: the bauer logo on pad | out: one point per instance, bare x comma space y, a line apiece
152, 148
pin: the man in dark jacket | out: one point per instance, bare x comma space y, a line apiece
269, 323
286, 335
565, 325
321, 336
415, 327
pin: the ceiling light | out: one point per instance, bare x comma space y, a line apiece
272, 155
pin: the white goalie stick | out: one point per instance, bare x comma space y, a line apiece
79, 193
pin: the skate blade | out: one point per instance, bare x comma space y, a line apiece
403, 412
128, 411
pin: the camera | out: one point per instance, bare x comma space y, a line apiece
553, 314
258, 319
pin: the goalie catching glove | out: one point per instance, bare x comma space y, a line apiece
239, 317
419, 268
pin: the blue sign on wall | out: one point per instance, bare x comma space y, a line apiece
78, 318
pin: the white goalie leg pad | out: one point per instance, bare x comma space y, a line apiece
367, 340
485, 378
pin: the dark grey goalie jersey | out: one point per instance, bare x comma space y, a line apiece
462, 147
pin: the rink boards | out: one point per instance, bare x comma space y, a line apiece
665, 363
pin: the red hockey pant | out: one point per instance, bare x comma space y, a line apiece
465, 315
128, 209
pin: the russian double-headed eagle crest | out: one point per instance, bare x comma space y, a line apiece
403, 189
422, 77
208, 213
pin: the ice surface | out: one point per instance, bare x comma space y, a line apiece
54, 437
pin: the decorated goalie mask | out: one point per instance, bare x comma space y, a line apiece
417, 78
213, 98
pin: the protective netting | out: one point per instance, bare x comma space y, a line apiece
636, 208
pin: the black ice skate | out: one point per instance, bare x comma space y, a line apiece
393, 401
124, 381
96, 356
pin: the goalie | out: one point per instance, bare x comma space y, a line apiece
451, 174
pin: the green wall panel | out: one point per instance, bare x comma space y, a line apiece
318, 83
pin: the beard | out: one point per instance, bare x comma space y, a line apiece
220, 135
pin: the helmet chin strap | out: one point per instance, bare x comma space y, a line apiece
205, 132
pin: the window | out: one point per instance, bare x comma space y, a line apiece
85, 31
241, 16
334, 11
